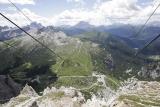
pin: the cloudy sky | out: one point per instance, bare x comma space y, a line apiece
70, 12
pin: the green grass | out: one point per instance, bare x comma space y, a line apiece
122, 55
133, 103
53, 96
75, 82
141, 100
56, 95
77, 63
32, 60
112, 82
94, 89
23, 67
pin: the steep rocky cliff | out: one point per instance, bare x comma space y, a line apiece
8, 88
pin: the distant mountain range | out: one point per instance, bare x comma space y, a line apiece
10, 32
124, 31
121, 30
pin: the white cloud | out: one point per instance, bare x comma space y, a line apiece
100, 14
71, 17
19, 19
45, 21
79, 3
74, 0
22, 2
141, 16
104, 12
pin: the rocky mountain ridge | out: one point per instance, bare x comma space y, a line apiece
132, 93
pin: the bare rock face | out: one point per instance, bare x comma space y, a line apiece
138, 94
26, 98
132, 93
150, 71
52, 97
28, 91
8, 88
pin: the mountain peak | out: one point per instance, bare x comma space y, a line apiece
36, 25
83, 25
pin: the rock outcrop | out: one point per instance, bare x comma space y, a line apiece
132, 93
51, 97
8, 88
136, 93
151, 71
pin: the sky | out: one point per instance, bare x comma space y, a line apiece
71, 12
